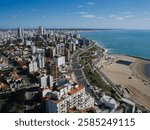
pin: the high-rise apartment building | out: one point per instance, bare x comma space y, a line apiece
67, 97
67, 55
32, 67
40, 58
53, 71
20, 32
46, 81
59, 60
40, 31
51, 52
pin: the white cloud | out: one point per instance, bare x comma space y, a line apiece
90, 3
80, 6
112, 16
88, 16
81, 12
128, 16
120, 18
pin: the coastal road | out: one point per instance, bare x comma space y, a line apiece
79, 74
81, 79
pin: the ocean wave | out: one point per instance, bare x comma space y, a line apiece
107, 50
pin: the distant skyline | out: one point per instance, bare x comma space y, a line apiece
122, 14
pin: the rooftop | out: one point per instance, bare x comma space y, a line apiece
71, 92
75, 90
109, 99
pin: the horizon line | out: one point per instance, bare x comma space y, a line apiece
67, 28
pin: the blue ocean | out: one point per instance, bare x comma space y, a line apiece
127, 42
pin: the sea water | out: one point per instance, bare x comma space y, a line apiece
127, 42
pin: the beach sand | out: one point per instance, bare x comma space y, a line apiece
131, 77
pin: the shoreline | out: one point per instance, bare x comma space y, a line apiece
131, 79
106, 52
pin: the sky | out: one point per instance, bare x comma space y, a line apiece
123, 14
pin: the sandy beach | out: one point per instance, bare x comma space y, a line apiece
128, 73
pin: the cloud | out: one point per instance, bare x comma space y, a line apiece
80, 6
116, 17
88, 16
112, 16
81, 12
90, 3
120, 18
128, 16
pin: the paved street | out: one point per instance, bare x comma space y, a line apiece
81, 79
79, 74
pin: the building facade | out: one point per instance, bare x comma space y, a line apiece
20, 32
67, 97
